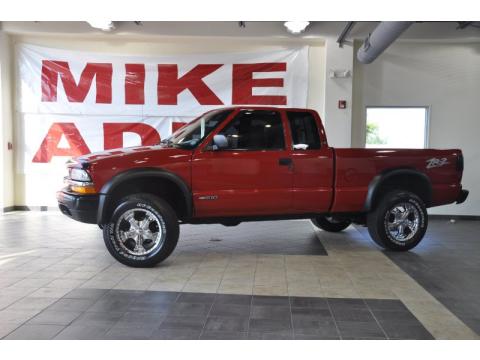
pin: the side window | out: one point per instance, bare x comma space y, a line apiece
255, 130
304, 129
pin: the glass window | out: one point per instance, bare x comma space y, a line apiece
190, 135
255, 130
397, 127
304, 129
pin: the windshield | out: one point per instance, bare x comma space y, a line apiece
193, 133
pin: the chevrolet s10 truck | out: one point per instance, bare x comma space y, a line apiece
255, 163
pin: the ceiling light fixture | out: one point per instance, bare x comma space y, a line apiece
102, 25
296, 27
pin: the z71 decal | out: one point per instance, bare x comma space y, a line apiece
434, 162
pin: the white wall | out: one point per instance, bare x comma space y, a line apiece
26, 187
445, 77
6, 156
338, 122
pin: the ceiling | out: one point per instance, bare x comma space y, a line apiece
420, 31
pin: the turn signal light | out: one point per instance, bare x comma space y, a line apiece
83, 189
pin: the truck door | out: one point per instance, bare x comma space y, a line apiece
252, 176
312, 164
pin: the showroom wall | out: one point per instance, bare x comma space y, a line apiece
443, 76
6, 125
26, 187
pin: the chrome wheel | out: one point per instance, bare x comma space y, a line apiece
402, 221
140, 232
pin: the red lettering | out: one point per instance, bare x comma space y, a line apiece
243, 84
76, 92
49, 146
135, 84
169, 85
113, 134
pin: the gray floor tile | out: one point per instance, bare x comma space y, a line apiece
131, 332
311, 313
399, 317
146, 318
356, 329
92, 294
269, 325
385, 304
346, 304
70, 304
308, 302
150, 306
353, 315
189, 309
228, 324
183, 322
176, 334
271, 335
270, 300
233, 299
196, 298
223, 335
98, 318
157, 297
83, 332
110, 304
35, 332
406, 331
270, 312
319, 336
49, 317
223, 309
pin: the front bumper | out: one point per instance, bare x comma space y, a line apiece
83, 208
462, 196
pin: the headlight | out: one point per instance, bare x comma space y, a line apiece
79, 175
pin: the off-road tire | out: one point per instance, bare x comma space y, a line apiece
380, 217
167, 221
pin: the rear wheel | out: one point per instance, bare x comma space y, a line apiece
399, 222
142, 232
330, 224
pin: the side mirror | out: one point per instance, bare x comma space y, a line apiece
220, 142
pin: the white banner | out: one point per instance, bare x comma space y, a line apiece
72, 103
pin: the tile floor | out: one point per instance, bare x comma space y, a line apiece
58, 281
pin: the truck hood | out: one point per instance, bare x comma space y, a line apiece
135, 154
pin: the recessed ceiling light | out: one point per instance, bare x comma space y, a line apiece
102, 25
296, 27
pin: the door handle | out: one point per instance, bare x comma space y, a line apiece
285, 162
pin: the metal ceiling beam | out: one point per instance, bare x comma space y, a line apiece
345, 32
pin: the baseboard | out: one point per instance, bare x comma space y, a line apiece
54, 208
29, 208
454, 217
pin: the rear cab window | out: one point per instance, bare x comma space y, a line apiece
304, 129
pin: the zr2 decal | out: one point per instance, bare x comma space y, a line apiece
434, 162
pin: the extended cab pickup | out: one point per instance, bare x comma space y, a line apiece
242, 164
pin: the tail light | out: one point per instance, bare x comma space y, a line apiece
460, 161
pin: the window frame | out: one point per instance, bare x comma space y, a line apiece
229, 122
315, 121
426, 140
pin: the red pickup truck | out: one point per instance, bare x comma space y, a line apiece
247, 164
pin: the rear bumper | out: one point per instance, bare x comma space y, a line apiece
83, 208
462, 196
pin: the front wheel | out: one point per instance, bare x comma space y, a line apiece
142, 231
399, 221
330, 224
